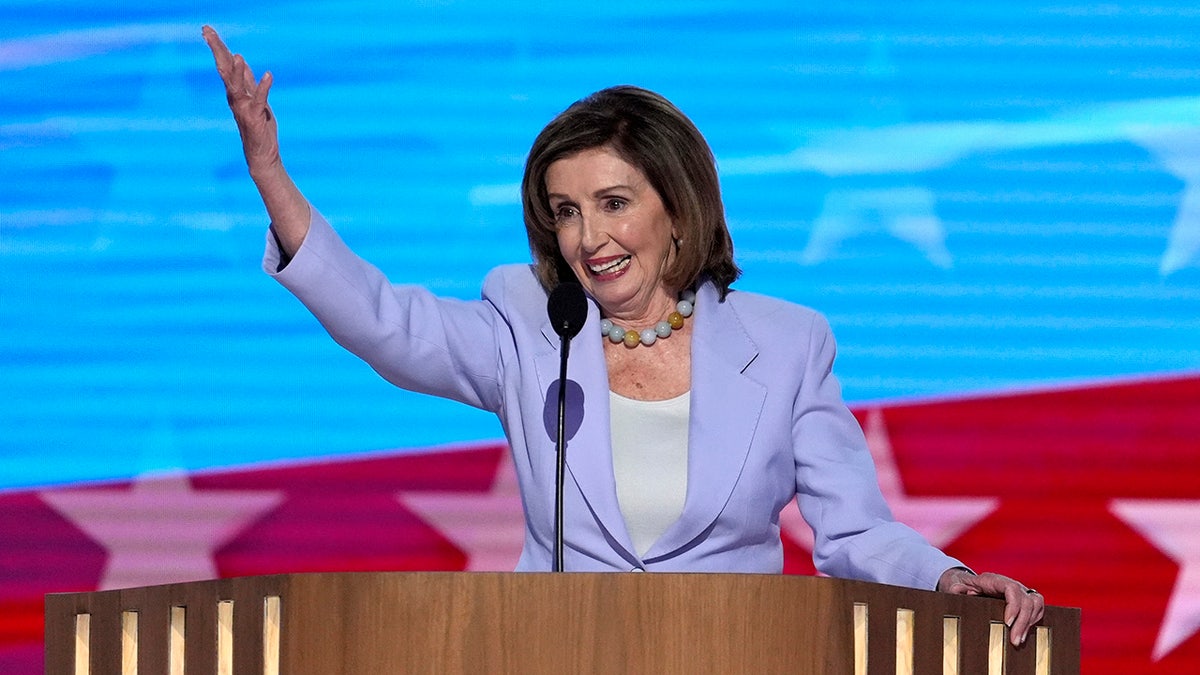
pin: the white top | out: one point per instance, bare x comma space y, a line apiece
649, 448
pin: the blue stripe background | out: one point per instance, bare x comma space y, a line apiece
137, 332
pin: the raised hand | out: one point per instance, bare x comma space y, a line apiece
248, 101
288, 209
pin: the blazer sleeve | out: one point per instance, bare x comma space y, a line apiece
412, 338
838, 491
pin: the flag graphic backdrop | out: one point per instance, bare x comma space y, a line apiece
994, 205
1088, 494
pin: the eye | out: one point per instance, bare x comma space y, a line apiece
565, 212
615, 204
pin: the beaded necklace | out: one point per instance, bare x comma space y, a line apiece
662, 329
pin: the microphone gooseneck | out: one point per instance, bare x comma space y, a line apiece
567, 308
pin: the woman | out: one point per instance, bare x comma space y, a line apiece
699, 411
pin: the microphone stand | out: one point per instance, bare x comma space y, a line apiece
568, 309
560, 450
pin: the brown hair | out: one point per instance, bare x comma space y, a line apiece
650, 133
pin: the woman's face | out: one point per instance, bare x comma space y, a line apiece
614, 233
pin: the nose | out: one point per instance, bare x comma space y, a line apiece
592, 233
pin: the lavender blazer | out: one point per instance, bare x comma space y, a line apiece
767, 418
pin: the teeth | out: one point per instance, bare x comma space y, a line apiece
610, 267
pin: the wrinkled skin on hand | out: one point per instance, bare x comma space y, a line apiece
1023, 606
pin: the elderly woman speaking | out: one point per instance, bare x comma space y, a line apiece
698, 412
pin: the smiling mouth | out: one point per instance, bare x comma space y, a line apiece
614, 266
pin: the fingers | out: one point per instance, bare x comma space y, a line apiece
221, 54
247, 99
251, 97
229, 65
1032, 609
263, 89
247, 75
1023, 607
239, 79
1027, 614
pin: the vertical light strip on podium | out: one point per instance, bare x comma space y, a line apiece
860, 638
271, 618
904, 641
950, 648
129, 642
83, 644
175, 640
225, 637
1042, 660
997, 635
997, 641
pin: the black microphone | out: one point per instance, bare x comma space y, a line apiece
568, 311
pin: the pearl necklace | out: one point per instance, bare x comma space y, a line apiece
648, 336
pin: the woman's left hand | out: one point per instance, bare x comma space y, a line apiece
1023, 605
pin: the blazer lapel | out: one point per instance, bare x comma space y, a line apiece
589, 449
725, 409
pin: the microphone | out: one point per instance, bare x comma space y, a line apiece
568, 310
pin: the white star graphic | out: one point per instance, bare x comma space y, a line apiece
939, 519
1177, 152
488, 527
160, 530
1173, 527
906, 213
1167, 127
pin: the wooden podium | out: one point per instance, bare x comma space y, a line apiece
476, 622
